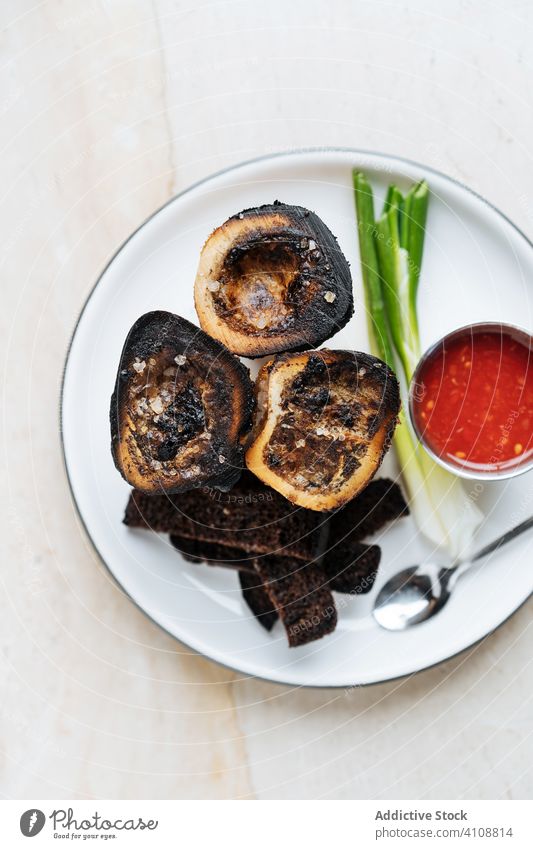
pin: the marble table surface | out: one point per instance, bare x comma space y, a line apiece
108, 108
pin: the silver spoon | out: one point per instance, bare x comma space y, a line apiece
418, 592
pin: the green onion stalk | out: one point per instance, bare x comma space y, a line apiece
391, 251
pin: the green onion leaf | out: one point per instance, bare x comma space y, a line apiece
391, 257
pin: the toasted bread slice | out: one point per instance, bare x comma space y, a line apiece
324, 422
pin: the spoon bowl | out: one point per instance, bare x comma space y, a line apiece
412, 596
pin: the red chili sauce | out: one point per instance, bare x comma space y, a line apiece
473, 400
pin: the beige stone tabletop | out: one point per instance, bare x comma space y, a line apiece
108, 108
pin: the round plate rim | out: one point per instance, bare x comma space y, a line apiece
252, 161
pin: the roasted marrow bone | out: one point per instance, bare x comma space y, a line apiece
270, 279
324, 422
181, 405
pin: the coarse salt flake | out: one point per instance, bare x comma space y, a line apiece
157, 405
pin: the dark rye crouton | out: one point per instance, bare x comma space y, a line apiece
348, 568
212, 553
258, 600
301, 597
381, 502
351, 567
252, 517
233, 530
297, 589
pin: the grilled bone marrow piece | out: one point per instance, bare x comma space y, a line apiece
181, 405
325, 420
271, 279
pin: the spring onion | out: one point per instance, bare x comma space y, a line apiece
391, 256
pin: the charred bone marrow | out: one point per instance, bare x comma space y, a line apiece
324, 422
271, 279
181, 406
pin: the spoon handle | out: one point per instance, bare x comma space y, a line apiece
505, 538
451, 574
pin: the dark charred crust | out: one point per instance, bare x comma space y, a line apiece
183, 419
283, 282
258, 600
181, 406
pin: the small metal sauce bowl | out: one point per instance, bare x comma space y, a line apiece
509, 468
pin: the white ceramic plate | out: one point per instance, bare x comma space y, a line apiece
477, 266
